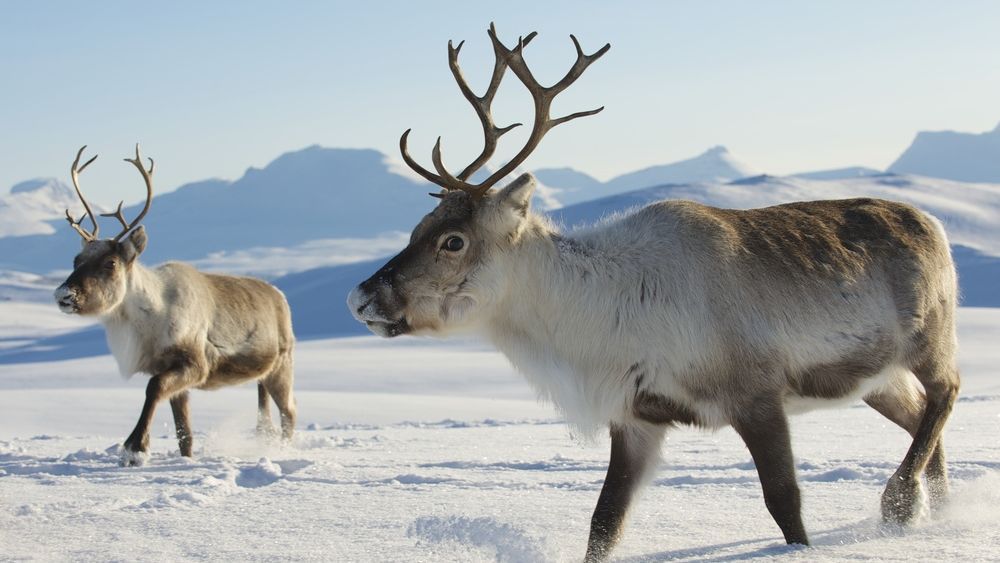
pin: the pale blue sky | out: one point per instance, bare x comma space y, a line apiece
211, 88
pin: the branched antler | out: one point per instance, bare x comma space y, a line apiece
147, 177
542, 96
74, 172
118, 215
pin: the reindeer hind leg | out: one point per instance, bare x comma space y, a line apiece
279, 385
903, 402
901, 499
265, 428
182, 422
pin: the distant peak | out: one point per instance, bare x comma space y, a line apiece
717, 150
34, 185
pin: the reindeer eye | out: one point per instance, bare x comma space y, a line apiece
453, 244
110, 264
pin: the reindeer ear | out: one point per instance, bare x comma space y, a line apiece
516, 196
134, 244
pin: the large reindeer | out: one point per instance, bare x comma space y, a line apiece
680, 313
185, 328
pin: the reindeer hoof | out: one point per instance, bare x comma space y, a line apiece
903, 501
128, 457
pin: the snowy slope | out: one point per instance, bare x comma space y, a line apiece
838, 173
311, 194
970, 213
34, 206
716, 164
966, 157
417, 450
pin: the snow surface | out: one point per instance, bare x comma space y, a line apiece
420, 450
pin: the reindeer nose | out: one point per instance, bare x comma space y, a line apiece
65, 296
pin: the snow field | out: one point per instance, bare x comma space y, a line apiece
438, 452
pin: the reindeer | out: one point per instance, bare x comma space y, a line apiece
685, 314
186, 329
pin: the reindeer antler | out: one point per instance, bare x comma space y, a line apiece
147, 177
74, 172
541, 95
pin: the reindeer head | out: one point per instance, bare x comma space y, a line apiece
100, 271
449, 275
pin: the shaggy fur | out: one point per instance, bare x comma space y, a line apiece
682, 313
186, 329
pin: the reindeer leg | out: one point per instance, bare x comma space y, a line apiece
764, 429
901, 499
184, 373
279, 385
136, 446
903, 402
182, 421
634, 450
265, 429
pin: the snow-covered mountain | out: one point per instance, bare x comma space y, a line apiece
312, 194
303, 196
970, 213
716, 164
839, 173
966, 157
31, 207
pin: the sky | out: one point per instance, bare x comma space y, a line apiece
212, 88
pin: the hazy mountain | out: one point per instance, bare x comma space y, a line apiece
716, 164
314, 193
569, 185
31, 207
838, 173
970, 213
966, 157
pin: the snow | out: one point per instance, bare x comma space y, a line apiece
715, 165
33, 207
270, 261
415, 449
425, 450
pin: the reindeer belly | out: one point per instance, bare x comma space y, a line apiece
834, 389
240, 367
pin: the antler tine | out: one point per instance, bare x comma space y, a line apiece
439, 166
491, 133
74, 172
147, 177
118, 215
581, 64
542, 97
427, 174
482, 104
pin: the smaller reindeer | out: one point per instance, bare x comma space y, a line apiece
184, 328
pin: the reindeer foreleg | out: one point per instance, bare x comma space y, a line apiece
173, 383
